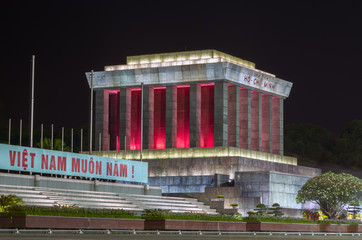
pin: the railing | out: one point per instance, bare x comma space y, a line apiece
157, 232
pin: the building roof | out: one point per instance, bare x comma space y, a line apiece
189, 67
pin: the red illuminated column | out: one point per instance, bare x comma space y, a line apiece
233, 116
255, 126
266, 123
245, 118
277, 125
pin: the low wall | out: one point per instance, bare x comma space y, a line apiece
194, 225
76, 184
56, 222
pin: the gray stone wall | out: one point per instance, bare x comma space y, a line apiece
220, 165
271, 187
182, 184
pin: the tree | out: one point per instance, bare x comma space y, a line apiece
57, 144
7, 201
260, 209
332, 192
309, 142
276, 210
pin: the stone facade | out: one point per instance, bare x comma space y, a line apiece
204, 113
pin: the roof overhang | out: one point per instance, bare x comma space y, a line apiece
192, 73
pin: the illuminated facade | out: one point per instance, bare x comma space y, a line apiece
193, 99
209, 119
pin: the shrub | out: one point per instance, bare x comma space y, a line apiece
251, 213
160, 214
155, 214
234, 204
260, 209
8, 201
220, 196
69, 212
276, 210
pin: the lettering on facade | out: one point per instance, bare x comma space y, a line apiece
22, 158
53, 162
258, 79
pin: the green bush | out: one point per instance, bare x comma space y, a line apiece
8, 201
251, 213
160, 214
69, 211
156, 214
275, 210
260, 209
256, 218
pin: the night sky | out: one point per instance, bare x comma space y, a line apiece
317, 46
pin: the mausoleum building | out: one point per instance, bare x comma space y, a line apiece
196, 114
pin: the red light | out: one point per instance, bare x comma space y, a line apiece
159, 118
135, 136
207, 115
183, 117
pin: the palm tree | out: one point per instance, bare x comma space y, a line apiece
57, 144
7, 201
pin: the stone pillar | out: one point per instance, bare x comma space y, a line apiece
146, 116
122, 117
260, 137
174, 117
255, 121
270, 124
146, 189
266, 123
151, 111
101, 119
233, 116
114, 122
170, 124
37, 180
281, 126
221, 114
245, 118
278, 126
96, 185
128, 119
195, 114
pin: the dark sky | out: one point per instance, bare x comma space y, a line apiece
317, 46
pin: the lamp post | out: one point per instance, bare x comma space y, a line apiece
91, 116
32, 102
